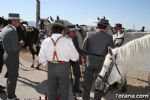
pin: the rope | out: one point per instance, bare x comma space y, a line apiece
26, 68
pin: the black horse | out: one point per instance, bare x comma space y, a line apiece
30, 36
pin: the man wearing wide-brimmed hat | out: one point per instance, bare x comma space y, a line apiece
72, 34
119, 30
57, 51
11, 46
95, 47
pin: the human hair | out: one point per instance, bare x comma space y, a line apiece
9, 21
101, 26
57, 29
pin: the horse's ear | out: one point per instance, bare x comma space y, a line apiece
104, 17
58, 17
39, 17
98, 18
47, 18
51, 18
110, 50
78, 25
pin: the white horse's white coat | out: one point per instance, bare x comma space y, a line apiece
132, 57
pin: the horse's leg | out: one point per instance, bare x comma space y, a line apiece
149, 82
37, 52
123, 84
33, 57
33, 60
38, 66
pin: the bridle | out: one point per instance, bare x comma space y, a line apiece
122, 39
107, 74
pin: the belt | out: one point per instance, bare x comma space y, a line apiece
57, 62
96, 55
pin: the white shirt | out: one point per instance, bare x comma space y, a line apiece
65, 49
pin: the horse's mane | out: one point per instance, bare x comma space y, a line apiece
135, 54
133, 35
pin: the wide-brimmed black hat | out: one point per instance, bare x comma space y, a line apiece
58, 23
71, 28
13, 16
103, 21
118, 25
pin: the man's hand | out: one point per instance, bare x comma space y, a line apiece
98, 84
22, 43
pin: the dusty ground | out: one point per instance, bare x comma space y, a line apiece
137, 84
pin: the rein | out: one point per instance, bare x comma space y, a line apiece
107, 74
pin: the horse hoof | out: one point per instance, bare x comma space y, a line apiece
32, 66
37, 68
123, 90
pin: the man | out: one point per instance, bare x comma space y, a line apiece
11, 46
75, 65
95, 46
119, 30
143, 29
57, 51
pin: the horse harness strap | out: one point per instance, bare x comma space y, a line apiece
103, 79
118, 70
55, 52
122, 39
107, 75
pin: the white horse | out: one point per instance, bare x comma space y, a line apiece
132, 57
122, 39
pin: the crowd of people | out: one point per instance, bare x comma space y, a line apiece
60, 52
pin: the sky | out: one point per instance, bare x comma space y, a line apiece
131, 13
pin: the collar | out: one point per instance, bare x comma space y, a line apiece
100, 30
56, 35
12, 26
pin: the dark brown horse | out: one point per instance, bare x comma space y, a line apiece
30, 36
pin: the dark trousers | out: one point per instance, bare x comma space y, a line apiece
77, 74
58, 80
94, 66
11, 60
1, 57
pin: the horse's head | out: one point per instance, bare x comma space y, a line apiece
65, 23
110, 72
83, 29
43, 25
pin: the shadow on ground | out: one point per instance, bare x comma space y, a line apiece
132, 92
40, 87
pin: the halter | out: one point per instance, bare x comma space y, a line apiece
107, 74
122, 38
41, 25
120, 43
